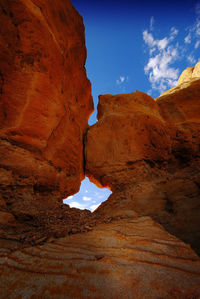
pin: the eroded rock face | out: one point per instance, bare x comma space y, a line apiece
189, 74
129, 131
45, 104
147, 152
148, 158
131, 258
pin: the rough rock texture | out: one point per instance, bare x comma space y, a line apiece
45, 103
129, 258
148, 154
190, 73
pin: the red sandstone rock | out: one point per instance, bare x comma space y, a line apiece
130, 258
45, 103
146, 155
180, 108
129, 130
147, 152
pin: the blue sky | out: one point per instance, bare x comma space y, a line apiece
135, 45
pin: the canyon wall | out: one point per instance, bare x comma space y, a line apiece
148, 153
45, 105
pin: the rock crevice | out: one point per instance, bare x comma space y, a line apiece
147, 151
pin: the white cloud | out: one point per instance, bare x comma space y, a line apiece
197, 44
188, 38
85, 198
197, 11
151, 23
77, 205
161, 44
191, 59
94, 207
152, 43
174, 33
65, 201
193, 35
86, 191
162, 54
122, 80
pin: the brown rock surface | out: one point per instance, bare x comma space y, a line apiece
45, 105
147, 152
130, 258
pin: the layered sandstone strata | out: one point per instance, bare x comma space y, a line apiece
147, 153
45, 105
130, 258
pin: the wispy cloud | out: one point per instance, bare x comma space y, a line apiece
65, 201
191, 59
162, 54
152, 21
89, 197
85, 198
122, 80
193, 31
188, 38
78, 205
94, 207
197, 44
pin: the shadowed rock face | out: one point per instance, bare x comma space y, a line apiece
45, 104
131, 258
147, 152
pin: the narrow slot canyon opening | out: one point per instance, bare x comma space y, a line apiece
89, 196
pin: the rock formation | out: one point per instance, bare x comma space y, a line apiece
149, 157
145, 151
189, 74
132, 258
45, 105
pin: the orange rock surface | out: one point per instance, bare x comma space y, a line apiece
190, 73
147, 153
129, 130
45, 103
131, 258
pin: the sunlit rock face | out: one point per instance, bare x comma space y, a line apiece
149, 159
147, 152
189, 74
45, 104
129, 131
